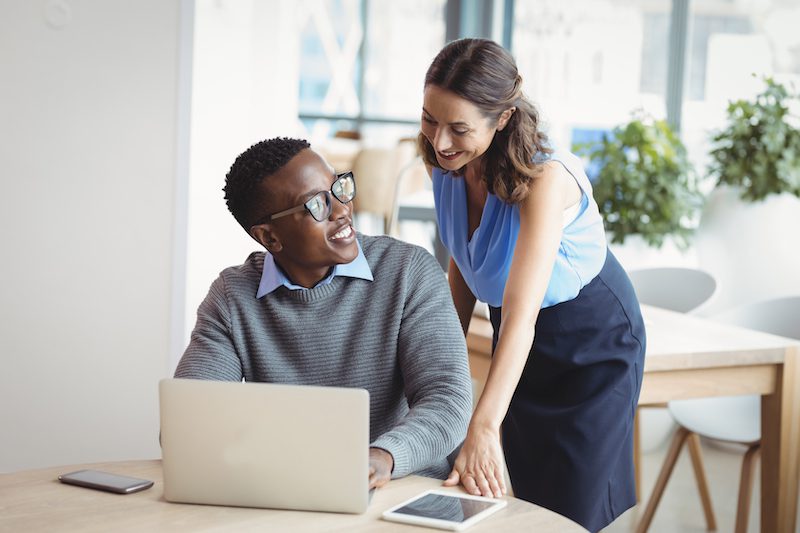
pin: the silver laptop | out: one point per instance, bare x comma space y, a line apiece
265, 445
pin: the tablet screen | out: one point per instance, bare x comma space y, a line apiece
444, 507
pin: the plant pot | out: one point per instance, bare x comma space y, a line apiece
751, 248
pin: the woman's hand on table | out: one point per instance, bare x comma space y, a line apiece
480, 465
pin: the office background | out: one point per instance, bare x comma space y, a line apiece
119, 120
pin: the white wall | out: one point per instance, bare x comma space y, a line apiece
245, 89
88, 157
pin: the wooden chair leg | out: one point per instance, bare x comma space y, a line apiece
702, 485
637, 455
663, 476
746, 488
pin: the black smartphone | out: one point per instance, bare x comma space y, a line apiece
95, 479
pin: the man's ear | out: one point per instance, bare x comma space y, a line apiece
505, 116
264, 234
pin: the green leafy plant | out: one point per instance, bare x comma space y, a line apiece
759, 149
646, 185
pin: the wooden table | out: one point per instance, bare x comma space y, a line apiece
34, 500
690, 357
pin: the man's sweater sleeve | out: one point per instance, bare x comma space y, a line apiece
433, 360
211, 353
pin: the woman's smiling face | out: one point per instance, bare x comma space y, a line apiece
455, 127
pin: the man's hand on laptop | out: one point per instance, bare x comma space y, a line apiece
381, 464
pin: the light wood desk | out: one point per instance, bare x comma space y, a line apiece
34, 500
689, 357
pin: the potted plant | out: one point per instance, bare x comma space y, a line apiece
645, 185
747, 236
758, 151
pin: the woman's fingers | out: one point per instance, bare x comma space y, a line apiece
469, 484
483, 484
453, 479
495, 487
479, 467
500, 474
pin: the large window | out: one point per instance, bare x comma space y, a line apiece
588, 64
363, 63
732, 46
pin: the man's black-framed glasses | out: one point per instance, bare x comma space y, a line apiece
319, 205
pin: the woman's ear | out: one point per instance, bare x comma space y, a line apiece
505, 116
264, 235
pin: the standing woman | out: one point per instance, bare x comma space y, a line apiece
525, 236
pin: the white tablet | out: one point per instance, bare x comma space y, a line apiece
444, 510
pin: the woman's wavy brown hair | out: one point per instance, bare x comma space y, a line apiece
484, 73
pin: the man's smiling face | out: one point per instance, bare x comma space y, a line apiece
304, 248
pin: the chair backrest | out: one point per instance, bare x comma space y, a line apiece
778, 316
374, 169
412, 178
381, 175
676, 288
348, 134
339, 152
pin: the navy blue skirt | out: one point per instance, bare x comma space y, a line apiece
568, 434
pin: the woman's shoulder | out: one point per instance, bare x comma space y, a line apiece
563, 161
552, 152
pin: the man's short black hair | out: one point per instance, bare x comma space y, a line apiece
250, 168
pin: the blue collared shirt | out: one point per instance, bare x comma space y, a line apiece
273, 277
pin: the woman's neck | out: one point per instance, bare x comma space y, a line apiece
473, 172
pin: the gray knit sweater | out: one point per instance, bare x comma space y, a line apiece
397, 336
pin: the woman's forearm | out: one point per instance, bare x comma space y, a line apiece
508, 362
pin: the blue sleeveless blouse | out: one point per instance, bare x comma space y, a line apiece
485, 259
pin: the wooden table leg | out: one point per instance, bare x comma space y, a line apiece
780, 446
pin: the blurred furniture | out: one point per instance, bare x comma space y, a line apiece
339, 152
382, 174
33, 500
420, 206
747, 247
347, 134
677, 289
735, 419
411, 180
414, 201
693, 357
375, 170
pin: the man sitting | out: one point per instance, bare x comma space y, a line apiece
327, 306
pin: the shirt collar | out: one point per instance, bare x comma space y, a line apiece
273, 277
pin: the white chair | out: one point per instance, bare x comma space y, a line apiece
678, 289
735, 419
